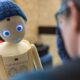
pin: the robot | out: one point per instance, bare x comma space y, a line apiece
16, 55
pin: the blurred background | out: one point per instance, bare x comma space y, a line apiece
41, 24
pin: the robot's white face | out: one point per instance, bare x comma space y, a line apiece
12, 29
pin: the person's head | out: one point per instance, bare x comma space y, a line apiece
12, 21
68, 19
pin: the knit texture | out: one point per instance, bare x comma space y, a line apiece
9, 9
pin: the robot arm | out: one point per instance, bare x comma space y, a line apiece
3, 73
37, 61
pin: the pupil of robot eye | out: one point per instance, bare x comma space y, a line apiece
6, 33
19, 28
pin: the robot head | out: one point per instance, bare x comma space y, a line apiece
12, 21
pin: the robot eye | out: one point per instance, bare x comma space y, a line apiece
6, 33
19, 28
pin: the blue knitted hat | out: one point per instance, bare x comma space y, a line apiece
9, 9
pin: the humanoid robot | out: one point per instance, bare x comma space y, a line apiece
16, 55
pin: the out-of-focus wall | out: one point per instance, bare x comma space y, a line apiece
30, 7
47, 10
41, 13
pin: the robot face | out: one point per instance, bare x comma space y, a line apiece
12, 29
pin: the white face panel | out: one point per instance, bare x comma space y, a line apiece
12, 29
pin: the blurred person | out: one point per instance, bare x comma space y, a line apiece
68, 30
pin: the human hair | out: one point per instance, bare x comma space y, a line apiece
64, 6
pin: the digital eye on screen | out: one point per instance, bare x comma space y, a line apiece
19, 28
6, 33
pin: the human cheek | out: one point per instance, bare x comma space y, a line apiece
70, 41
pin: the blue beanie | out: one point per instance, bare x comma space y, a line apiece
9, 9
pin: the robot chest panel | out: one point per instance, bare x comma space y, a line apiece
16, 64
